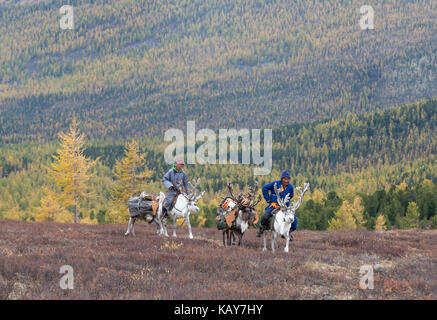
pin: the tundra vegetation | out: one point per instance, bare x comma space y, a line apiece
107, 265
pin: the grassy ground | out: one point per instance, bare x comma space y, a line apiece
107, 265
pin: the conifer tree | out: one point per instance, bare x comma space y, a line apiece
357, 213
344, 218
130, 173
380, 223
412, 217
70, 169
51, 210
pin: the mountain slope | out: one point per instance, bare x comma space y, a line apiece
135, 68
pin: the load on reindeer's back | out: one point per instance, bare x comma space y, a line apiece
236, 214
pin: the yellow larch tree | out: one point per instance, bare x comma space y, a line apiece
14, 213
357, 213
130, 174
380, 223
344, 218
70, 169
318, 196
51, 210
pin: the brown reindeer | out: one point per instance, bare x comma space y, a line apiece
239, 214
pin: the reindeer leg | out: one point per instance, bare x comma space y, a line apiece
240, 237
224, 241
132, 226
229, 234
274, 239
287, 239
174, 226
128, 227
233, 242
164, 227
187, 220
265, 241
158, 225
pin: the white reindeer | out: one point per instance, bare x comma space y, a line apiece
185, 204
148, 217
284, 218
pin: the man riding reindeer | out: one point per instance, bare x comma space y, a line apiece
269, 195
171, 180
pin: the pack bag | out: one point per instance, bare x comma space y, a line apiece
221, 223
226, 220
141, 206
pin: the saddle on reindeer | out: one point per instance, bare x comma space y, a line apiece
236, 214
182, 205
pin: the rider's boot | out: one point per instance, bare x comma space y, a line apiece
260, 231
164, 213
291, 236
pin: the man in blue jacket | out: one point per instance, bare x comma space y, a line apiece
269, 194
171, 182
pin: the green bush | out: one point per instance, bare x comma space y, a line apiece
433, 221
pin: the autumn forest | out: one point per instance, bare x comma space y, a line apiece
353, 112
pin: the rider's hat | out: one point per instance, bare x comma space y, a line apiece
285, 174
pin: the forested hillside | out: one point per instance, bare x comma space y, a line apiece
381, 141
363, 155
134, 68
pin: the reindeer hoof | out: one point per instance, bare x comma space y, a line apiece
191, 236
264, 249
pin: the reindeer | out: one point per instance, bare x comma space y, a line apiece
280, 223
148, 216
244, 206
185, 203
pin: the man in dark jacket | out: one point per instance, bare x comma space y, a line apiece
172, 181
285, 187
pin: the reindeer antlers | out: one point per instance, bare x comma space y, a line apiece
193, 188
296, 204
230, 191
251, 195
194, 185
282, 203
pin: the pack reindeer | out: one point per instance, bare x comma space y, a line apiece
150, 212
281, 221
243, 207
184, 205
